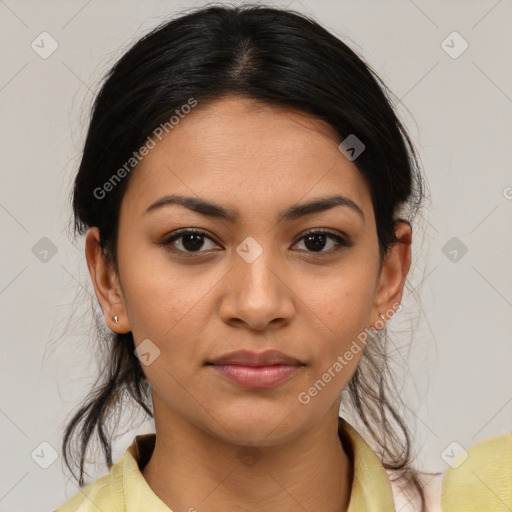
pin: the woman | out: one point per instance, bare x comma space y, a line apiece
247, 193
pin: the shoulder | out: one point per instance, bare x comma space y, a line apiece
124, 483
96, 496
480, 478
106, 493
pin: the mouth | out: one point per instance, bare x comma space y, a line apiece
251, 370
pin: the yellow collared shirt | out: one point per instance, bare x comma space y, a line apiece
124, 488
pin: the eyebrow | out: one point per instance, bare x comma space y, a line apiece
295, 211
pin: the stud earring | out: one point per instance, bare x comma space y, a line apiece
383, 320
116, 319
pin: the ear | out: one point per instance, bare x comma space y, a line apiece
395, 267
106, 283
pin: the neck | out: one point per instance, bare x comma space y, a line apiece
191, 470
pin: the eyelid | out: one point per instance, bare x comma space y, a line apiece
334, 232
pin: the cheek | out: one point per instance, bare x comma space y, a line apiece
342, 310
161, 307
158, 295
345, 302
171, 307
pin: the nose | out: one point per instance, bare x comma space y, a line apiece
257, 294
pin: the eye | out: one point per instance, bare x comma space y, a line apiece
315, 241
191, 241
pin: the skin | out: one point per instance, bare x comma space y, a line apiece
256, 160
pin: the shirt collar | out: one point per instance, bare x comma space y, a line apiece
371, 489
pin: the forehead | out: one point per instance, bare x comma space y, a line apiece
244, 153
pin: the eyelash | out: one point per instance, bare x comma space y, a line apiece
341, 242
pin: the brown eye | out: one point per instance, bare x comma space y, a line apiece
191, 240
315, 241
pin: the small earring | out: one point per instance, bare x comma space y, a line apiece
383, 319
116, 319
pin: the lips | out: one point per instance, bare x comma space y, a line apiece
248, 358
252, 370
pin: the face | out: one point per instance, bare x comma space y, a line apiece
253, 272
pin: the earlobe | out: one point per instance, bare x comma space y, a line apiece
106, 283
395, 268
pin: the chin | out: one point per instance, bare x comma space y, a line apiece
257, 425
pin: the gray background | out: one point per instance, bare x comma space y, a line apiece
456, 369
